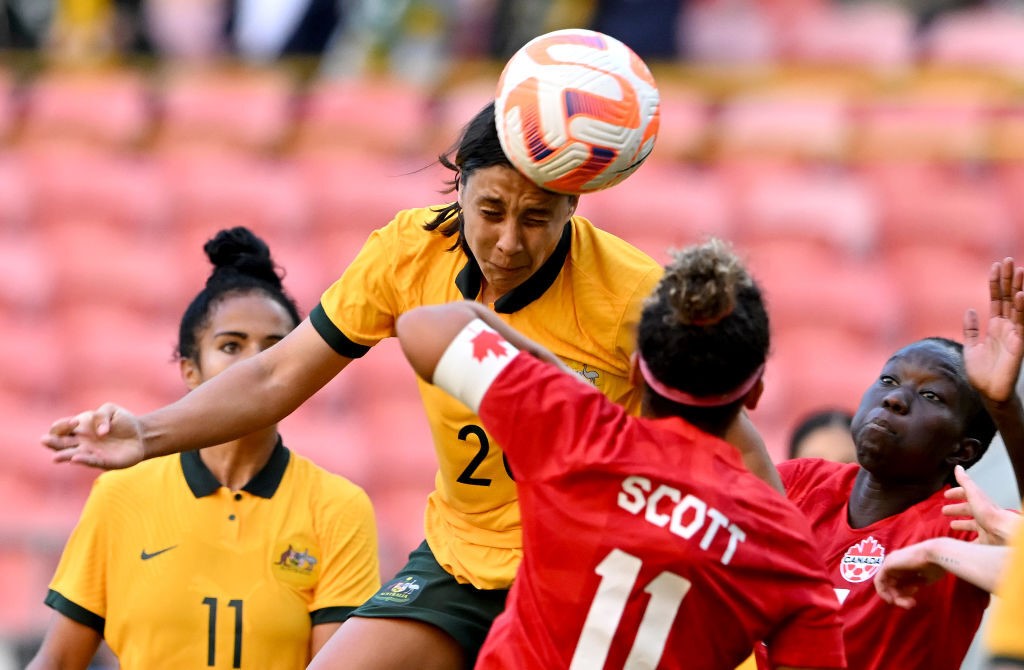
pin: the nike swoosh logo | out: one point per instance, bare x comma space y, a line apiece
146, 556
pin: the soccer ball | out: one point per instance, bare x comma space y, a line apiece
576, 111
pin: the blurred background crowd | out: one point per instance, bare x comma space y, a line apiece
867, 157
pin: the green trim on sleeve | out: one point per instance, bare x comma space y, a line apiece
334, 337
330, 615
74, 611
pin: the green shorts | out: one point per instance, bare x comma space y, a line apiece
424, 591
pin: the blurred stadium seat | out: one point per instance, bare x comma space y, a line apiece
663, 205
16, 194
728, 34
61, 105
938, 284
986, 38
375, 114
100, 264
807, 285
25, 256
782, 121
875, 36
234, 107
361, 192
832, 207
924, 203
930, 120
685, 121
83, 184
212, 188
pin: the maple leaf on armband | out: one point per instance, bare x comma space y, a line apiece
487, 342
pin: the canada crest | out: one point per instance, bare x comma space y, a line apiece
862, 560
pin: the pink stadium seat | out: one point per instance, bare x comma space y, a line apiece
104, 264
1009, 177
335, 441
984, 37
949, 122
117, 353
16, 194
213, 189
63, 105
685, 123
938, 285
833, 208
374, 114
83, 184
234, 107
805, 285
34, 361
872, 35
805, 124
385, 186
663, 205
924, 204
33, 270
727, 33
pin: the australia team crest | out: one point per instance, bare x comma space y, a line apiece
862, 560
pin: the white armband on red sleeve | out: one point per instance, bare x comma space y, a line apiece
472, 361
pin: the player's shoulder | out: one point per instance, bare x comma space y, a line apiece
141, 478
325, 485
596, 246
813, 472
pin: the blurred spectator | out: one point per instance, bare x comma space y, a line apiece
24, 23
646, 26
824, 434
253, 30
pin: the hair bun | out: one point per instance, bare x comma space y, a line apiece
239, 250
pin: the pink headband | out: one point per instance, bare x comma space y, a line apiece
684, 398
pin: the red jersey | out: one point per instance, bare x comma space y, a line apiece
645, 542
936, 633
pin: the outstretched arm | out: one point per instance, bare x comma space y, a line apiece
246, 397
426, 332
993, 362
906, 570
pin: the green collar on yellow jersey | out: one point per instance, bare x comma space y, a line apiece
202, 482
469, 278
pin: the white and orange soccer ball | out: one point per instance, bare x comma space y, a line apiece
576, 111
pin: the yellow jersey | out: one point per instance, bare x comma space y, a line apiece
583, 304
1003, 630
177, 571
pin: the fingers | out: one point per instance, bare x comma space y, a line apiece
995, 289
972, 329
1006, 277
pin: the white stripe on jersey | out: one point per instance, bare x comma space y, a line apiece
472, 361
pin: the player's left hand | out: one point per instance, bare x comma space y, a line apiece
993, 363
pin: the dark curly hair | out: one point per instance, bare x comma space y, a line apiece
703, 331
241, 265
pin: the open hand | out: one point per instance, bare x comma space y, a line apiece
108, 438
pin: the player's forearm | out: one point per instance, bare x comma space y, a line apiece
978, 564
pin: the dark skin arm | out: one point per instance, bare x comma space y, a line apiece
994, 362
